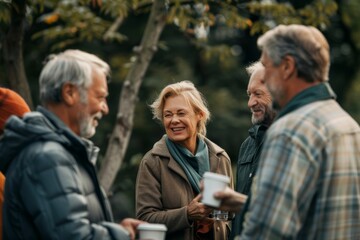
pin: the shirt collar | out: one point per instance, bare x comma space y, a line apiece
319, 92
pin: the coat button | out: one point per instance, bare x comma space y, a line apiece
217, 228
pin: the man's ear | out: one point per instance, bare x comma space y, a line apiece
70, 94
288, 65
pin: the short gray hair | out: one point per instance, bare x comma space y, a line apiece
253, 67
306, 44
191, 94
71, 66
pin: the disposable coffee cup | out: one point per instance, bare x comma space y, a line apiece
213, 183
151, 231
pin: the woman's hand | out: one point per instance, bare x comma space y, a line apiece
197, 210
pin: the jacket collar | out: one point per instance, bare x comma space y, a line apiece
77, 142
257, 132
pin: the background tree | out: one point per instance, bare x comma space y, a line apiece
121, 134
12, 45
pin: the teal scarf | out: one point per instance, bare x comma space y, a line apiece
318, 92
194, 166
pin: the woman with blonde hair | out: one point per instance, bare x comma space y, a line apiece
167, 186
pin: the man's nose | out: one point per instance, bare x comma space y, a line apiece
104, 108
252, 101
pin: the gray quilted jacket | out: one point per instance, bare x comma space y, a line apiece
51, 189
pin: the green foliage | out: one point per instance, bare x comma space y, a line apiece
220, 52
5, 13
233, 19
318, 13
116, 9
351, 18
181, 16
279, 12
259, 27
352, 99
73, 22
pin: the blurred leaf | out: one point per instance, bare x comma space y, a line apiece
49, 18
5, 13
116, 8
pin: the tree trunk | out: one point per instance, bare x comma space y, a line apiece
121, 134
13, 52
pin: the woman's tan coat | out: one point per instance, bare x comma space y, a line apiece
163, 191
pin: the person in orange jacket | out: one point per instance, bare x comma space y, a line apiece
11, 103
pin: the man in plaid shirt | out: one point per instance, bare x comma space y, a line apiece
308, 182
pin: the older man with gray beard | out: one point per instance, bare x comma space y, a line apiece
51, 189
260, 104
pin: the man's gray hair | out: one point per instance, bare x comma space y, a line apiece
306, 44
254, 67
71, 66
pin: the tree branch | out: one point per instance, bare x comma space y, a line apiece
121, 134
113, 28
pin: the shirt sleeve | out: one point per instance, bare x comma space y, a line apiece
282, 189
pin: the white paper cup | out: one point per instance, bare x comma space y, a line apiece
151, 231
213, 183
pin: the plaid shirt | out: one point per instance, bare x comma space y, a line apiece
308, 182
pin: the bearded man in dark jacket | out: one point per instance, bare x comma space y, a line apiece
260, 104
51, 189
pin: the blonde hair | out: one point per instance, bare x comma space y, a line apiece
191, 95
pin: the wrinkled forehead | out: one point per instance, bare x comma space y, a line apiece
257, 77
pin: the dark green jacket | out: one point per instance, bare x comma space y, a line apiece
51, 189
247, 163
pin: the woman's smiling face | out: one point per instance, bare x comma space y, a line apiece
181, 121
